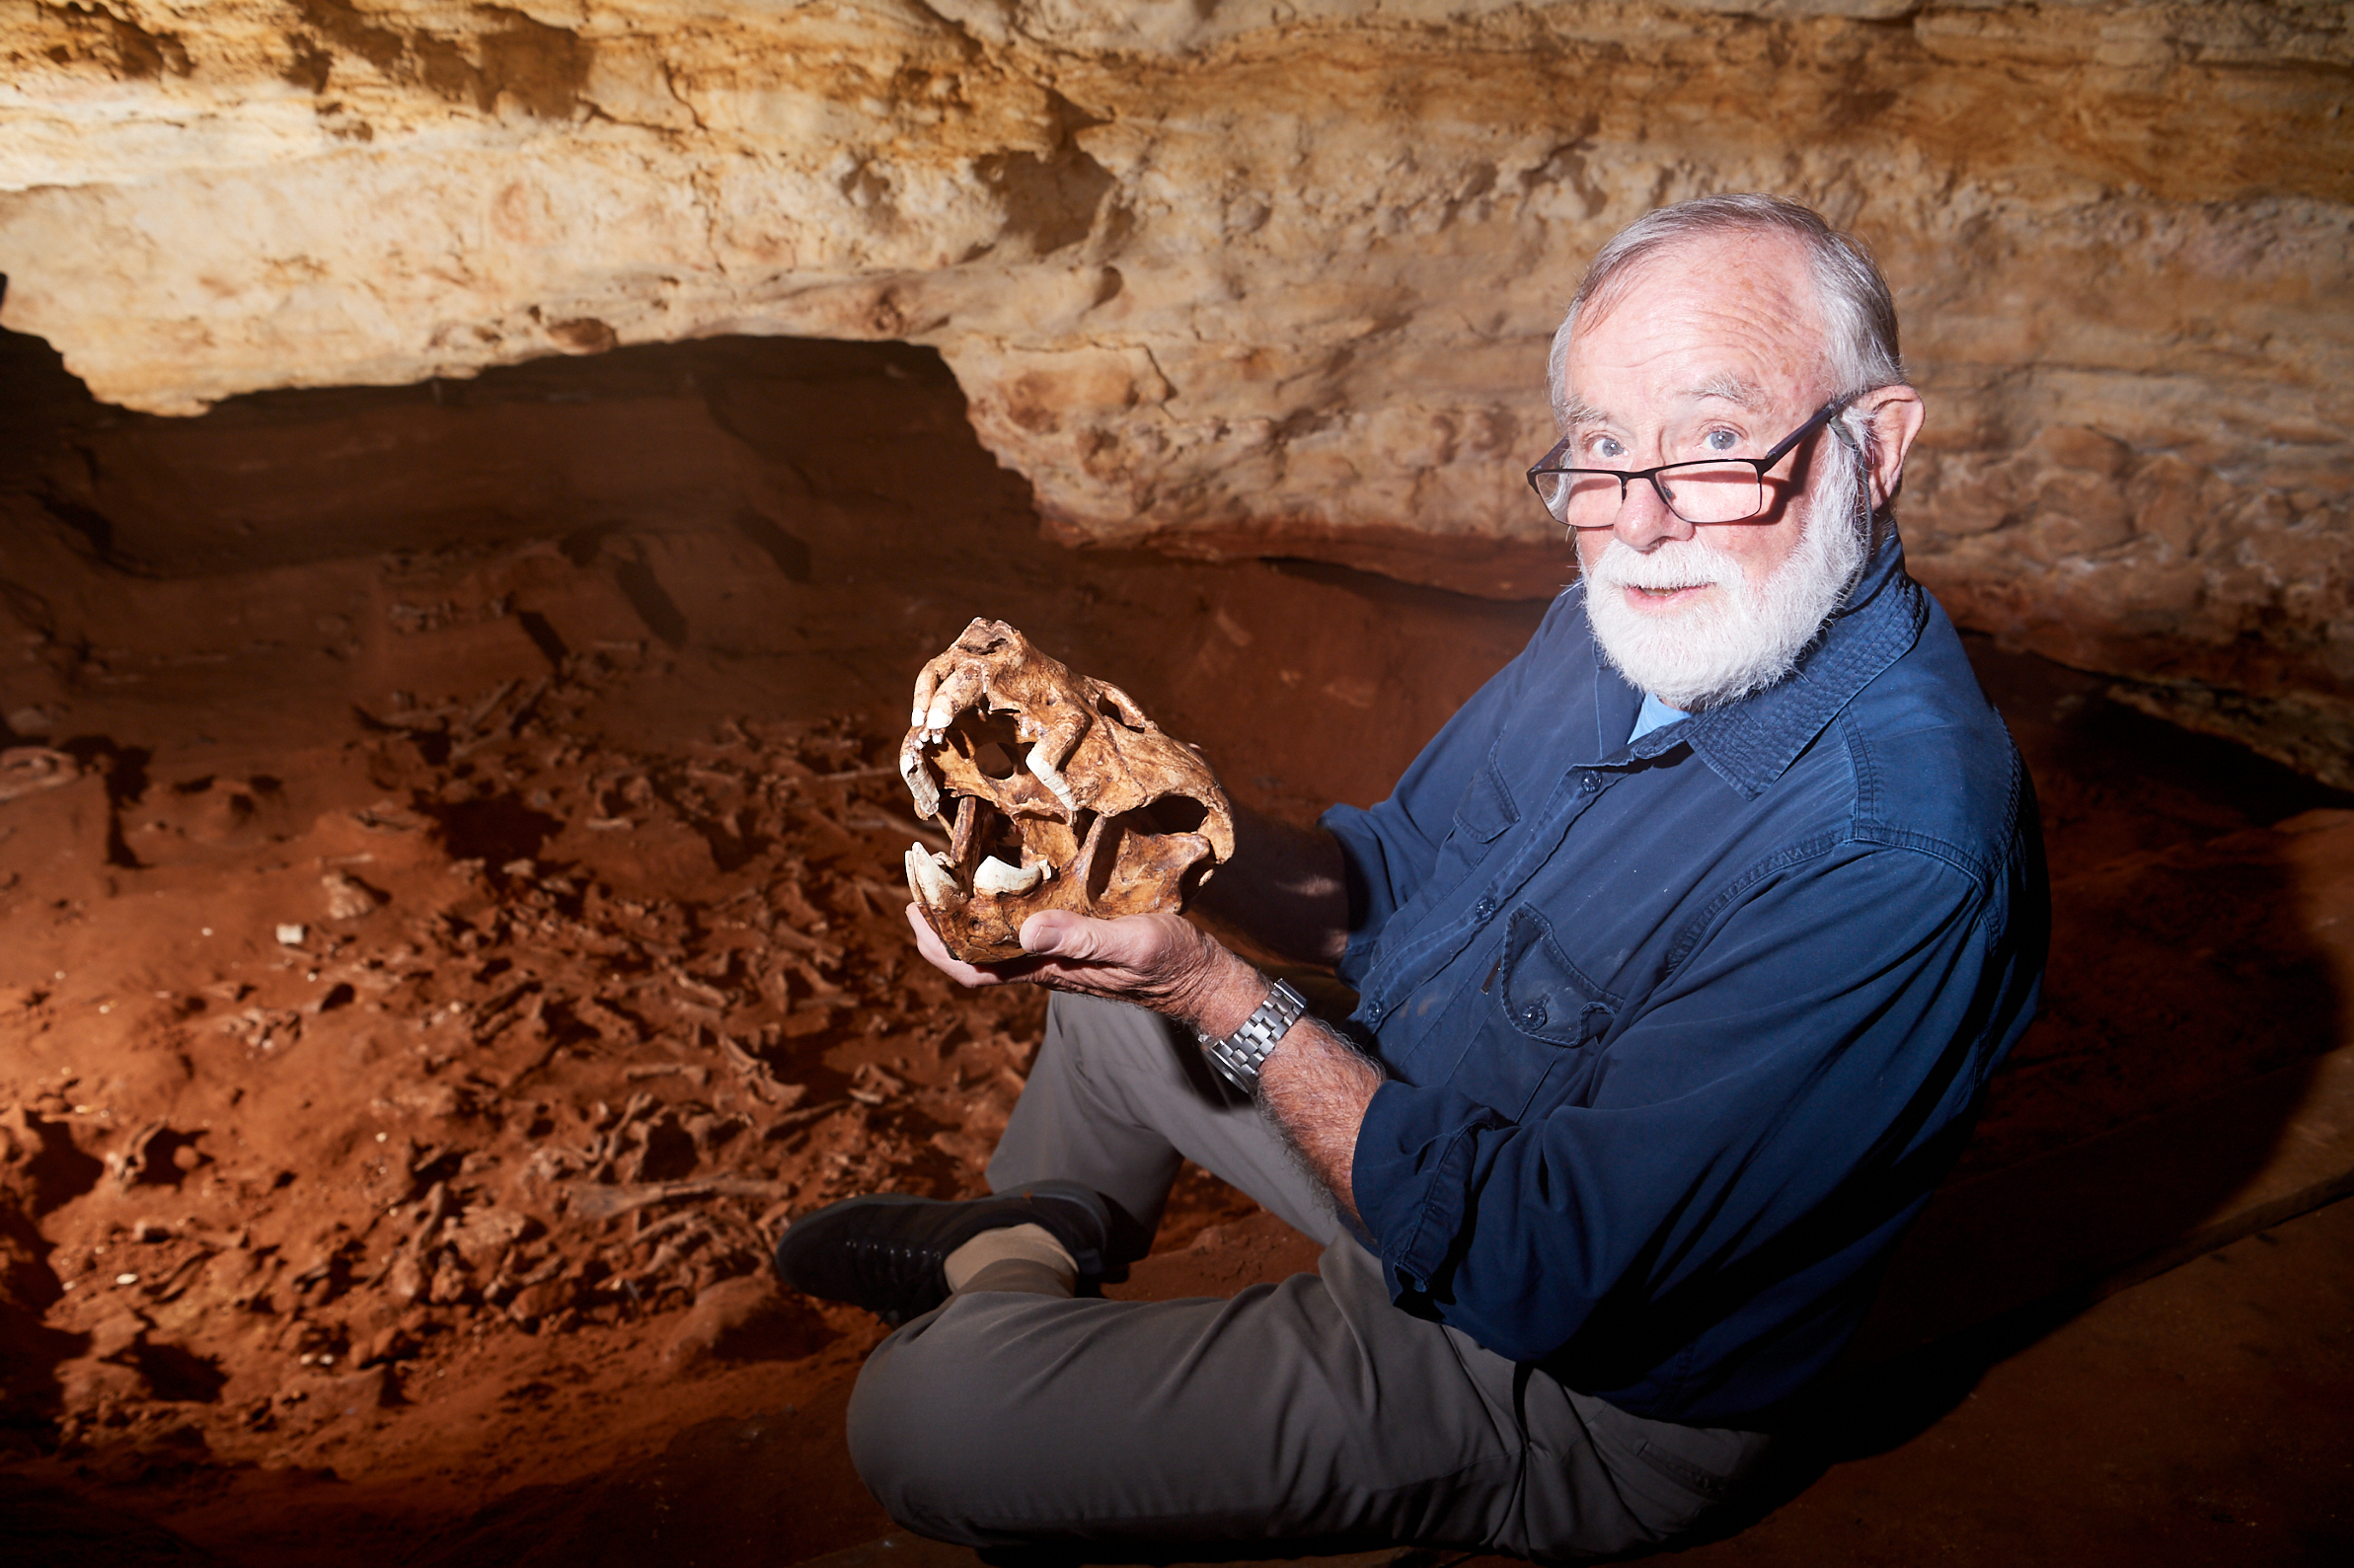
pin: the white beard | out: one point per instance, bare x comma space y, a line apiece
1751, 635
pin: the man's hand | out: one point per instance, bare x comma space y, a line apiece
1315, 1082
1156, 962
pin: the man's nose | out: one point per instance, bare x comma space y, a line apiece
1643, 519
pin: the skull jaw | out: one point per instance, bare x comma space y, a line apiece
1149, 876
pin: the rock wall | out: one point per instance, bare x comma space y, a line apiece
1277, 274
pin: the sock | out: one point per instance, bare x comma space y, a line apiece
1014, 1257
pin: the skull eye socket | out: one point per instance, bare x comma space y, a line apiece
1175, 814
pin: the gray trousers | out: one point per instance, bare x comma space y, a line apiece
1310, 1412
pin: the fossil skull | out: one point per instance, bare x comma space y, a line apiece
1048, 776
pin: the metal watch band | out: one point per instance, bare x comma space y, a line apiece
1238, 1057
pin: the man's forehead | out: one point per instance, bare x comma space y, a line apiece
1762, 269
1721, 319
1719, 386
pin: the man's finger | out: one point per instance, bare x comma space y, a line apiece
1059, 934
935, 953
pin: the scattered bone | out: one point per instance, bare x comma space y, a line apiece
872, 1086
347, 898
694, 1075
606, 1203
484, 1234
757, 1075
558, 963
28, 769
708, 996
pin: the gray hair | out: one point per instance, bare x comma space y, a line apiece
1858, 314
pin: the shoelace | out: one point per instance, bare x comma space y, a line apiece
892, 1271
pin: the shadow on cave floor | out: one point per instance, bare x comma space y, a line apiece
780, 528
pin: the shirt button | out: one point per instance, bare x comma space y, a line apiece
1373, 1014
1485, 909
1588, 784
1533, 1015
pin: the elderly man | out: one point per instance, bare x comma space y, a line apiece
1683, 954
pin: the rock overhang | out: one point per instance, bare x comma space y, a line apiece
1244, 279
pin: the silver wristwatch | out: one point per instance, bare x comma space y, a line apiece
1238, 1057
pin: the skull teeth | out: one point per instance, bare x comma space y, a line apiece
918, 776
995, 876
929, 876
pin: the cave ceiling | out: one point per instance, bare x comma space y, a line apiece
1277, 278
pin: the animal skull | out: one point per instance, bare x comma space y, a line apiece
1051, 776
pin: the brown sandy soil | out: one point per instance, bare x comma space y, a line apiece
450, 919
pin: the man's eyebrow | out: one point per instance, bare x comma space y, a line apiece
1578, 411
1732, 389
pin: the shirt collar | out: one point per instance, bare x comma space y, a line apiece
1752, 742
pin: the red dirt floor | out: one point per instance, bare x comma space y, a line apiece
450, 919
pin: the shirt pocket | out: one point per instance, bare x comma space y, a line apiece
1482, 817
1485, 810
1556, 1011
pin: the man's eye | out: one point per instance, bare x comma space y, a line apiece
1720, 440
1604, 446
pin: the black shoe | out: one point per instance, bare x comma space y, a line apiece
884, 1251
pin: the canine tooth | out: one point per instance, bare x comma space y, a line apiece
927, 876
1051, 777
918, 775
995, 876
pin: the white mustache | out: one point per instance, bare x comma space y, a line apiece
1622, 566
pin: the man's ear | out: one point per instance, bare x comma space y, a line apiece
1895, 414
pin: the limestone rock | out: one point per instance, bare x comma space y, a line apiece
1247, 275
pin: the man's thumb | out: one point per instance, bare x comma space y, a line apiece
1049, 931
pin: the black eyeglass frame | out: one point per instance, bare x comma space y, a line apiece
1781, 449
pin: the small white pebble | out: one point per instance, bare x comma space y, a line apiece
105, 1006
307, 1358
380, 1138
127, 1279
292, 936
204, 931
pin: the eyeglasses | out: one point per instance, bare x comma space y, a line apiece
1716, 490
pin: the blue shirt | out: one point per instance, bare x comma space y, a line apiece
1682, 1029
1653, 714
